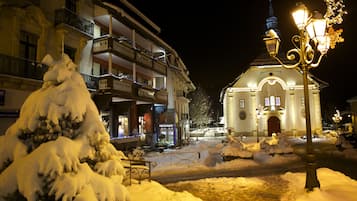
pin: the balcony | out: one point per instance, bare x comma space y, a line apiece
118, 45
20, 67
144, 58
161, 96
160, 67
67, 17
115, 84
122, 47
91, 81
144, 91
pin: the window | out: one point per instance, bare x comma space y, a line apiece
266, 101
272, 101
28, 45
2, 97
241, 103
277, 101
71, 5
123, 126
70, 51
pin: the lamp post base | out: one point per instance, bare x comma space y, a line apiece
311, 176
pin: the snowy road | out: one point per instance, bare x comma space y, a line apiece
263, 170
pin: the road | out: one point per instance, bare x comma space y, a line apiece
326, 157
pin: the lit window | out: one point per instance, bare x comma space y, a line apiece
272, 100
277, 101
266, 101
241, 103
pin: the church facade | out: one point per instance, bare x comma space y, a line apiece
268, 98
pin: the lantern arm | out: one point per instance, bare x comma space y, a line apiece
314, 65
290, 56
295, 40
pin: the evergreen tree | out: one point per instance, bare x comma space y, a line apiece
58, 149
200, 107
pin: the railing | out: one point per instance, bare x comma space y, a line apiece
121, 46
66, 16
21, 67
161, 95
138, 169
160, 66
91, 81
145, 91
111, 82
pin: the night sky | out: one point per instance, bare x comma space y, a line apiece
218, 39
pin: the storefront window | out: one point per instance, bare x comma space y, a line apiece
169, 131
123, 126
141, 124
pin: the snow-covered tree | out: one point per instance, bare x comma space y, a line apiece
200, 107
58, 149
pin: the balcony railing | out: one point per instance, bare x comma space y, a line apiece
123, 48
161, 96
110, 82
21, 67
118, 45
91, 81
66, 16
160, 66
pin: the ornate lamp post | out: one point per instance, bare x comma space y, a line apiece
337, 118
311, 45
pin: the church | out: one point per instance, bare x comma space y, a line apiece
268, 98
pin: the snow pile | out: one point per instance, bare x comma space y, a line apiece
278, 144
58, 149
237, 148
153, 191
334, 186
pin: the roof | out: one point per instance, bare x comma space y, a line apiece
266, 60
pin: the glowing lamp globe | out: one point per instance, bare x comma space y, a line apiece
301, 16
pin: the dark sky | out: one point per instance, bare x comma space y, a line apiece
218, 39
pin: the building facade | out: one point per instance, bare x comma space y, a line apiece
137, 80
268, 98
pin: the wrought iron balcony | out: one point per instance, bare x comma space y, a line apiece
65, 16
21, 67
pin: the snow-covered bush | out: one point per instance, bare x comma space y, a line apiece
278, 144
137, 154
58, 149
235, 148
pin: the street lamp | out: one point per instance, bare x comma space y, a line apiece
311, 45
259, 112
337, 118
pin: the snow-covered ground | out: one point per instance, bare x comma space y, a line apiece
206, 154
203, 155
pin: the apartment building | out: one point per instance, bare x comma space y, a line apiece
137, 80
